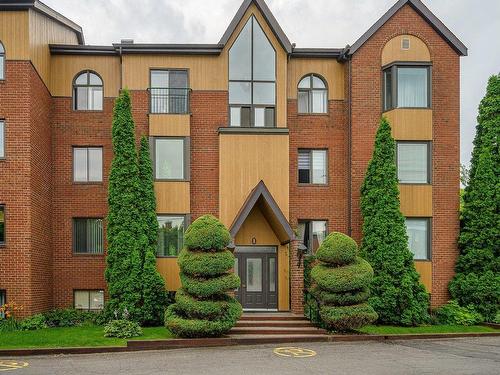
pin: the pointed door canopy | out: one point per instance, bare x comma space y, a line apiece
262, 198
268, 16
426, 14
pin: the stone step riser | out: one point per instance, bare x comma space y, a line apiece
270, 331
277, 323
261, 318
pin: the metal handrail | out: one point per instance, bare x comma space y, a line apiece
169, 100
311, 308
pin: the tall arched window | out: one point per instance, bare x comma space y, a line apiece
87, 92
312, 95
252, 78
2, 61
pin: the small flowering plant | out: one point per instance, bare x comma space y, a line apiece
10, 311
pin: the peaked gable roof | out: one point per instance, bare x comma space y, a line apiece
278, 222
424, 12
268, 16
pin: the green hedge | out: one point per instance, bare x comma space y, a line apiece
341, 279
180, 325
207, 233
205, 263
341, 299
337, 249
344, 318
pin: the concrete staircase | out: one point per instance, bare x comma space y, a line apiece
276, 326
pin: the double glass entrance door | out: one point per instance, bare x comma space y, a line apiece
257, 268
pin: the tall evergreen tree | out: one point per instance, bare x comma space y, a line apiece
477, 279
154, 297
396, 292
123, 271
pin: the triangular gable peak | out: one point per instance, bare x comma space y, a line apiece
426, 14
268, 17
261, 197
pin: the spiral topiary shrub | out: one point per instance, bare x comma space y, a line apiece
340, 281
202, 308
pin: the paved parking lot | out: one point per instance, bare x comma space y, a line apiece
454, 356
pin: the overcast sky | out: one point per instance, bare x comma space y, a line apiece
308, 23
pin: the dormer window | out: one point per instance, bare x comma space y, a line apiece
252, 78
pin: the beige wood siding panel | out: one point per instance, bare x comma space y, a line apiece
410, 124
44, 31
416, 200
172, 197
64, 68
205, 72
424, 268
169, 125
283, 278
330, 69
281, 62
14, 34
392, 51
244, 161
169, 270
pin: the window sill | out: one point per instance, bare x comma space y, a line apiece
170, 180
418, 108
169, 114
88, 183
88, 255
313, 114
415, 183
88, 110
252, 130
302, 184
167, 256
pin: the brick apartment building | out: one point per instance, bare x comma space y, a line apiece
272, 139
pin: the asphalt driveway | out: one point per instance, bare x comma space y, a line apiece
453, 356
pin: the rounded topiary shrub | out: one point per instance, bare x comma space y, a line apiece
340, 281
202, 308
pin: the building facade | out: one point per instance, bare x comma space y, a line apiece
272, 139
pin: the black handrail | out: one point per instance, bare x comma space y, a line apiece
169, 100
312, 308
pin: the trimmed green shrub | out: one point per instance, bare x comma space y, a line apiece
216, 263
207, 233
497, 319
33, 323
345, 318
69, 317
122, 329
453, 314
124, 226
345, 278
352, 297
154, 296
202, 307
340, 282
477, 277
397, 295
337, 249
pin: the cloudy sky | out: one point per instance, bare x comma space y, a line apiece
309, 23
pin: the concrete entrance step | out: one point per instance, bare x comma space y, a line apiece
270, 316
274, 323
276, 331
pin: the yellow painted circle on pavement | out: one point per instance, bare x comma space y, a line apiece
294, 352
12, 365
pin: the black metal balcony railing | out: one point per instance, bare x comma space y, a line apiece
169, 100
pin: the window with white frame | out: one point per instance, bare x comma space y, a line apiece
88, 300
312, 95
419, 237
413, 161
170, 160
313, 166
312, 233
87, 164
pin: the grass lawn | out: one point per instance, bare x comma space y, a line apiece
72, 337
391, 330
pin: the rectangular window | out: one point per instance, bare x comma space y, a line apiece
169, 91
312, 233
2, 225
419, 238
170, 235
170, 158
88, 236
89, 300
413, 160
406, 87
3, 301
2, 139
313, 167
87, 164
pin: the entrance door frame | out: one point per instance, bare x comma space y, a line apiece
259, 249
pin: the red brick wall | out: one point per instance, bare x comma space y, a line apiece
209, 112
328, 202
366, 112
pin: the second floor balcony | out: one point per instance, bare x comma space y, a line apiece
169, 100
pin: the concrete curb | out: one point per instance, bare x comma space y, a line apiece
140, 345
